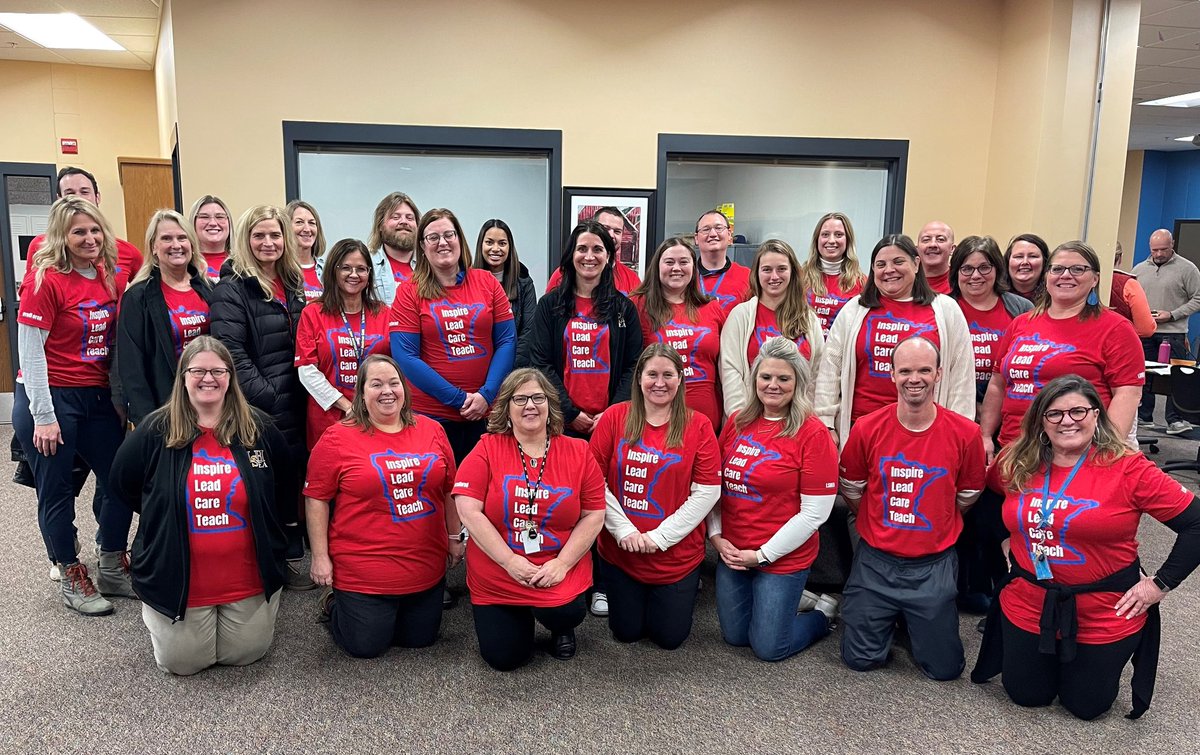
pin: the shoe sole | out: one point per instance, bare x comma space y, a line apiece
1181, 431
109, 612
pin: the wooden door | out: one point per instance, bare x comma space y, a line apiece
148, 186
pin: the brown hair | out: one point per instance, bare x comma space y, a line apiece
423, 275
655, 304
237, 423
498, 421
635, 421
358, 416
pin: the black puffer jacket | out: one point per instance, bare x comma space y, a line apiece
261, 335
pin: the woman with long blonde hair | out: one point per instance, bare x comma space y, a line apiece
832, 274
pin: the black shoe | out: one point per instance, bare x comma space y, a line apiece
562, 646
981, 626
448, 600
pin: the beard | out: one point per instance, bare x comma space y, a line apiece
401, 239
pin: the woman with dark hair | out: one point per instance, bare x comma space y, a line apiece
832, 275
1025, 259
211, 220
310, 245
532, 501
63, 406
674, 311
385, 547
209, 478
1076, 605
661, 466
979, 283
855, 373
336, 332
163, 310
256, 310
777, 306
1068, 332
496, 252
586, 335
452, 332
779, 477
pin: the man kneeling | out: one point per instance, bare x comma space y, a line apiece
908, 470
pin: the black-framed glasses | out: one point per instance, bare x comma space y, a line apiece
521, 399
1077, 413
967, 271
200, 372
434, 238
1075, 270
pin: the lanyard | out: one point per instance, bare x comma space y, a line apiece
533, 487
360, 343
1049, 501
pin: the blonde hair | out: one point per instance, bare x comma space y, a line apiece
245, 265
635, 421
792, 315
53, 253
498, 421
801, 408
195, 259
851, 274
319, 242
211, 199
359, 416
428, 286
386, 207
177, 418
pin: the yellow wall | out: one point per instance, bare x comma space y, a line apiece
1130, 201
110, 111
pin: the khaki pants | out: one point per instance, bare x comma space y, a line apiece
231, 634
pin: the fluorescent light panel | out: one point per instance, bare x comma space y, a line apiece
1185, 138
1192, 99
58, 31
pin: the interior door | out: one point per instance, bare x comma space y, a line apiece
148, 185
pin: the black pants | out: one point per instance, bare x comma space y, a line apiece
659, 613
366, 625
981, 561
1087, 686
506, 632
1179, 350
463, 436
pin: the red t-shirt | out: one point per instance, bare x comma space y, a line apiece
80, 315
1095, 536
909, 508
624, 278
129, 261
940, 283
402, 272
387, 535
729, 287
312, 283
223, 566
652, 481
571, 484
214, 261
325, 340
455, 331
987, 328
587, 359
828, 305
189, 316
766, 327
763, 476
1105, 351
883, 328
698, 341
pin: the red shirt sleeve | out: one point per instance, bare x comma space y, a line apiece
324, 468
1001, 349
604, 437
854, 462
1124, 362
405, 316
442, 441
475, 473
40, 304
307, 333
706, 470
971, 472
819, 460
1155, 492
591, 490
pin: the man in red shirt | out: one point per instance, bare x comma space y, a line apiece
935, 244
720, 277
908, 470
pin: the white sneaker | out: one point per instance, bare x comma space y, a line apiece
808, 601
1178, 427
828, 605
55, 573
599, 604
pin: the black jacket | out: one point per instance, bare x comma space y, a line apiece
150, 479
523, 308
544, 348
147, 360
261, 336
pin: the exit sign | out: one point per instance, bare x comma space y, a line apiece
69, 146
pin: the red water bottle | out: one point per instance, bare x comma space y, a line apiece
1164, 352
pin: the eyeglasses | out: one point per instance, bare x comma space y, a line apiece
433, 238
204, 218
200, 372
719, 228
1077, 413
537, 398
347, 270
967, 271
1075, 270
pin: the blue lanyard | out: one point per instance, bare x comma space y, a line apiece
1047, 501
360, 343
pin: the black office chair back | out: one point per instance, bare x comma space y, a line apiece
1185, 392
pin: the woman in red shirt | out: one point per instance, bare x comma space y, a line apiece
385, 550
1025, 259
779, 477
211, 220
532, 500
310, 246
675, 311
660, 462
832, 275
64, 406
336, 332
1076, 605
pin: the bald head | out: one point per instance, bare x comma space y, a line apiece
916, 370
935, 244
1162, 246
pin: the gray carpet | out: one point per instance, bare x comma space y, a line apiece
75, 685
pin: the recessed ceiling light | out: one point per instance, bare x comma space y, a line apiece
1192, 99
1184, 138
58, 31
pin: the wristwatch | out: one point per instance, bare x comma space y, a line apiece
762, 558
1160, 584
461, 537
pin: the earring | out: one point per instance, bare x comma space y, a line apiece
1092, 299
1043, 438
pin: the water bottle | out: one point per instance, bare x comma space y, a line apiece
1164, 352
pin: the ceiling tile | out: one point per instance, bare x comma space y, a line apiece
136, 43
1154, 7
1160, 56
112, 25
106, 58
31, 55
1183, 15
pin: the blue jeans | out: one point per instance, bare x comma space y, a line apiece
758, 609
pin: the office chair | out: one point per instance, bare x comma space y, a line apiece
1185, 392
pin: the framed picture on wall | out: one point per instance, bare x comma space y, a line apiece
637, 211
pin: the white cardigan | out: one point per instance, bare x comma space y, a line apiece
836, 376
735, 337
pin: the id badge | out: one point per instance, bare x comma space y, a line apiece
531, 541
1041, 567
